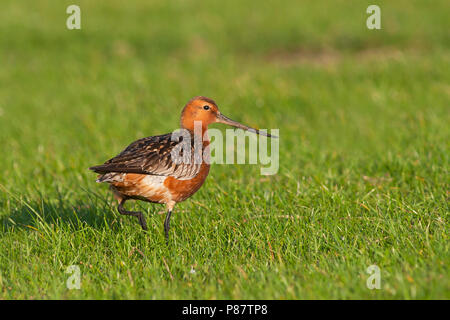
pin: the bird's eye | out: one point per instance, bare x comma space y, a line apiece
206, 107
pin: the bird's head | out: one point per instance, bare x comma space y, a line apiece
205, 111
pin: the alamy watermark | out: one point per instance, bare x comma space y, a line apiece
374, 280
74, 20
74, 280
374, 20
197, 148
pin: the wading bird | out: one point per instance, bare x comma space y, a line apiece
146, 169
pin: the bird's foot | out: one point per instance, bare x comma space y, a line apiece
137, 214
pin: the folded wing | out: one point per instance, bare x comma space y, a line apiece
153, 156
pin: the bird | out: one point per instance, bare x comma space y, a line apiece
147, 169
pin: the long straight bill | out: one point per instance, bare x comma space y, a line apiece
222, 119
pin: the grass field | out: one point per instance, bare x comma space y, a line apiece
364, 148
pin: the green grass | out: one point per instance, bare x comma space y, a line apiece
364, 146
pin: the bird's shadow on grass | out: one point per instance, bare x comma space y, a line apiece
76, 214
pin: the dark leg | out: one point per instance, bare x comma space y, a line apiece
137, 214
167, 225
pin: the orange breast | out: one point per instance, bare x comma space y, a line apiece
159, 189
183, 189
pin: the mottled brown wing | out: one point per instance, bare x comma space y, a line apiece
151, 156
